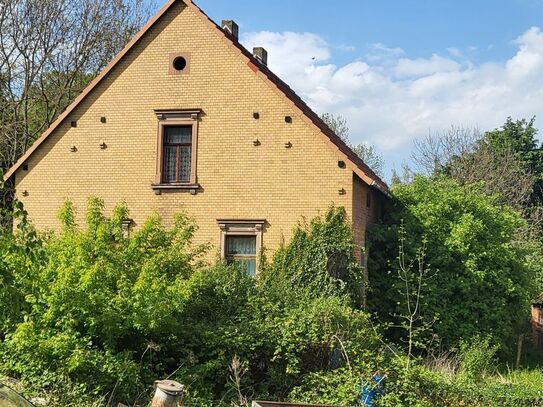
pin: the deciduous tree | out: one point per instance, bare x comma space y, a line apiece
49, 50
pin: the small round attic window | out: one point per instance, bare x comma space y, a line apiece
179, 63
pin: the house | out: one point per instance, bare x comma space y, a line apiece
186, 119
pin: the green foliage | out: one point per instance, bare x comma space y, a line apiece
96, 302
319, 258
420, 386
21, 249
108, 314
476, 357
339, 387
483, 278
94, 314
519, 137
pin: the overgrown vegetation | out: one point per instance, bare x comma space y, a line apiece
109, 314
104, 315
483, 274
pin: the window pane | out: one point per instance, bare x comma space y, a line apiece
241, 245
251, 266
178, 134
184, 171
248, 264
170, 157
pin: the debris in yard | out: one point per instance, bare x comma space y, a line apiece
167, 393
372, 390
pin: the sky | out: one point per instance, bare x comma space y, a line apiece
399, 70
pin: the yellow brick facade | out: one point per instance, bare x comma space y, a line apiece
238, 180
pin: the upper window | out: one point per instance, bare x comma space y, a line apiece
179, 64
177, 148
177, 154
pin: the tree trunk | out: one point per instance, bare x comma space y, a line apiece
519, 350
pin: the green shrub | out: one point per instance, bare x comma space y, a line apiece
483, 276
338, 387
109, 314
100, 316
476, 357
97, 303
319, 259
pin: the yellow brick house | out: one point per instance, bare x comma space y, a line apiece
186, 119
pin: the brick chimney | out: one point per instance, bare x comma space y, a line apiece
231, 27
261, 54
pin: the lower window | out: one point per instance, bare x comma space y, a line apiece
241, 242
242, 250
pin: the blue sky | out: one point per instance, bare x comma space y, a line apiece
420, 27
401, 69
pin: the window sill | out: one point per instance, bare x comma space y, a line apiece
193, 188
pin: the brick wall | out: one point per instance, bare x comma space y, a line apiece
238, 180
364, 211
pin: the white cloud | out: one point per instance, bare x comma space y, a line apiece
455, 52
346, 48
425, 66
380, 52
390, 99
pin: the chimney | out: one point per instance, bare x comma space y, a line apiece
261, 54
231, 27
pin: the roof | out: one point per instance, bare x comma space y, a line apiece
309, 116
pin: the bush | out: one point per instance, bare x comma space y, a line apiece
97, 302
109, 314
100, 316
483, 275
476, 358
319, 259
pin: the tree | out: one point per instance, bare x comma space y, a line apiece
49, 51
483, 278
412, 275
367, 152
467, 156
338, 124
519, 138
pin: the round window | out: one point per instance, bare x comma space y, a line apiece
179, 63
